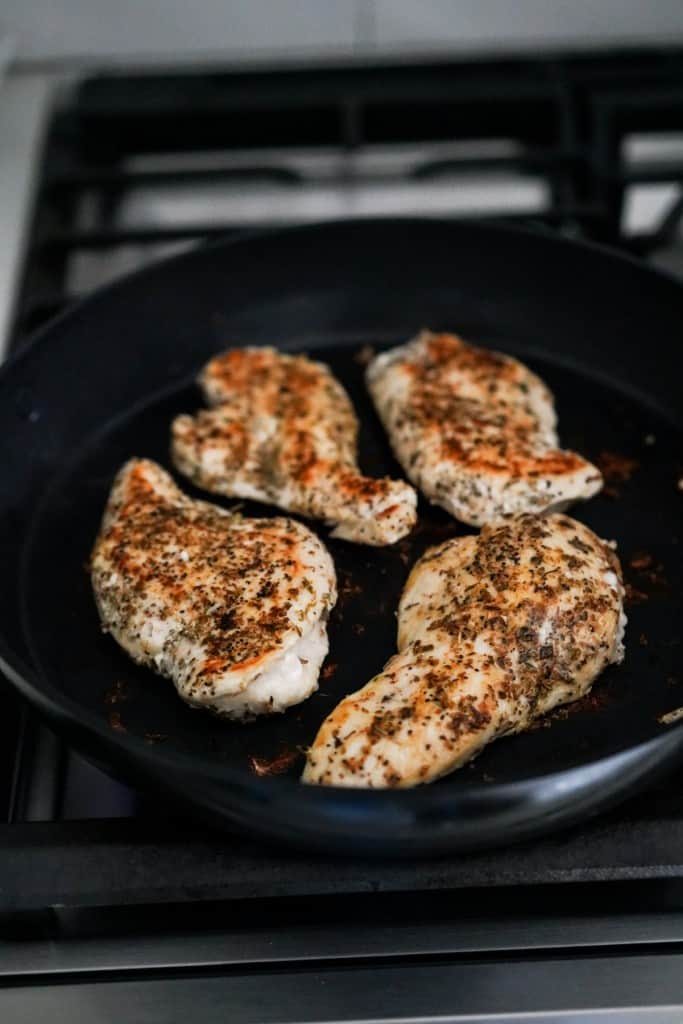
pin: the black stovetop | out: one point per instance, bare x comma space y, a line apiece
82, 855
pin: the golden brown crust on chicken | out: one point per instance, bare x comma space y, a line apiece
283, 431
475, 430
232, 609
494, 631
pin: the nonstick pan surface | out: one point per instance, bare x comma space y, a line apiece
104, 382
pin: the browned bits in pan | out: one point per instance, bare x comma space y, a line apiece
648, 569
115, 722
641, 560
262, 766
155, 737
634, 596
117, 694
364, 355
616, 469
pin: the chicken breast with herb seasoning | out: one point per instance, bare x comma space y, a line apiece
475, 430
493, 631
283, 431
233, 610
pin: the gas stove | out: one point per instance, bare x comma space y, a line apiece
127, 905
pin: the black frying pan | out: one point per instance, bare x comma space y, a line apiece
104, 382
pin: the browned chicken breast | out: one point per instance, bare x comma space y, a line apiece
493, 631
475, 430
283, 431
233, 610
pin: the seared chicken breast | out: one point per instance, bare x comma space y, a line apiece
233, 610
475, 430
283, 431
493, 631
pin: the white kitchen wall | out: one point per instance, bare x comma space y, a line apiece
242, 30
239, 29
464, 26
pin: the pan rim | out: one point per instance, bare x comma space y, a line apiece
37, 337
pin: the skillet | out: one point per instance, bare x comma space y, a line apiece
103, 382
